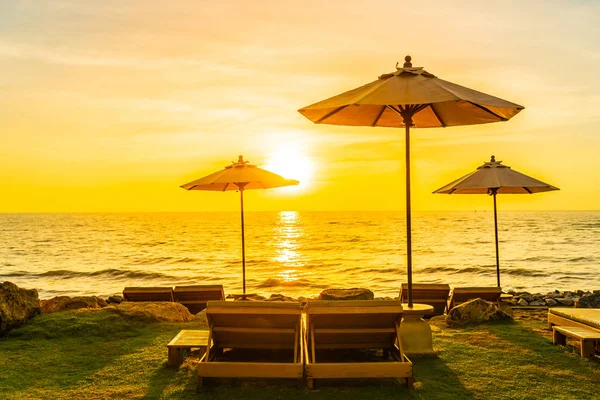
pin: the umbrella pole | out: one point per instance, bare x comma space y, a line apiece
408, 123
496, 232
243, 243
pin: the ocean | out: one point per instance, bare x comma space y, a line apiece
297, 253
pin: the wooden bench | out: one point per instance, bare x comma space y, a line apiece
185, 340
586, 337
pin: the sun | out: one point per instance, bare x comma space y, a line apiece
291, 161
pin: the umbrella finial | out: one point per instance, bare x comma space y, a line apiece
407, 63
493, 159
240, 160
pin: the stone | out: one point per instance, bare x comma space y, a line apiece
280, 297
566, 301
522, 303
149, 311
115, 299
551, 302
346, 294
63, 303
249, 297
537, 303
17, 306
590, 301
474, 311
505, 307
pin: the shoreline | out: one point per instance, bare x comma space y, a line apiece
519, 299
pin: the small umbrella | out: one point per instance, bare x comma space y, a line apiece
410, 96
494, 178
240, 176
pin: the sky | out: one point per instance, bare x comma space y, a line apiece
111, 106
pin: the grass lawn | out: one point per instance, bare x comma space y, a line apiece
100, 355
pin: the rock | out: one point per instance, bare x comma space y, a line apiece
153, 311
537, 303
115, 299
566, 301
346, 294
505, 307
249, 297
17, 306
551, 302
522, 303
62, 303
474, 311
590, 301
280, 297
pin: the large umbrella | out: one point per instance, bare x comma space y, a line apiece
410, 96
240, 176
494, 178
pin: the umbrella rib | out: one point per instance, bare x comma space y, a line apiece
527, 190
329, 114
442, 123
488, 111
379, 116
394, 109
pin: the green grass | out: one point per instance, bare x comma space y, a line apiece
100, 355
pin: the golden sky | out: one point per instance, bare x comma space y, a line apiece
110, 106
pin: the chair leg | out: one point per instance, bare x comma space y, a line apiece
175, 357
410, 383
309, 383
559, 338
200, 384
587, 348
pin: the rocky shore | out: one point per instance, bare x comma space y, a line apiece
19, 305
577, 298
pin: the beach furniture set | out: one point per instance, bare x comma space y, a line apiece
306, 342
194, 297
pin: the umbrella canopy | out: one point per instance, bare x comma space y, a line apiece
240, 175
491, 177
494, 178
410, 97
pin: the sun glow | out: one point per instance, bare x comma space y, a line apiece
290, 161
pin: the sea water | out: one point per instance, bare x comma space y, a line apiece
297, 253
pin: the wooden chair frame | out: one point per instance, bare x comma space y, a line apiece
355, 324
433, 294
252, 325
195, 297
148, 294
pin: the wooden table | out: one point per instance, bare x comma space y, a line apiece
185, 340
415, 332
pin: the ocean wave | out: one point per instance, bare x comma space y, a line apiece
274, 282
110, 273
576, 259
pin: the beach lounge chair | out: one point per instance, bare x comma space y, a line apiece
354, 324
580, 324
148, 294
257, 331
433, 294
464, 294
576, 317
195, 297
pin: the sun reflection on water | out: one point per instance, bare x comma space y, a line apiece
287, 236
